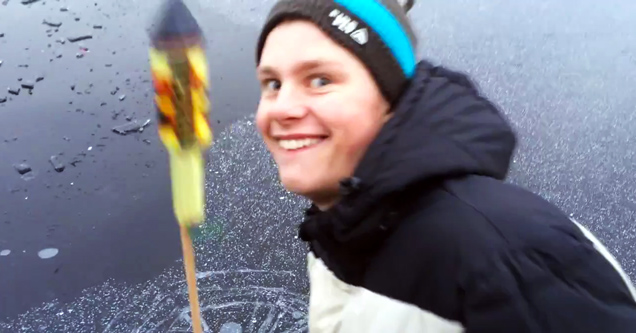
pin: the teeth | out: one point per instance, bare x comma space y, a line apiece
297, 144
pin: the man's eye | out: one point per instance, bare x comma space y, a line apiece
273, 85
318, 82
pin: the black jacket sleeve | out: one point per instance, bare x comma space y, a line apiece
543, 291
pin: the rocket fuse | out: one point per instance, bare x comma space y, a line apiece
180, 76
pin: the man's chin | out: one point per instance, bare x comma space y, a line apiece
318, 195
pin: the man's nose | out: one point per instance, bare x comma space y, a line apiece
290, 104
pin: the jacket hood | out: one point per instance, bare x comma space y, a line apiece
441, 128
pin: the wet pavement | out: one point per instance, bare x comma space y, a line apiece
88, 241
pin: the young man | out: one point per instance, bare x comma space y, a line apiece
412, 228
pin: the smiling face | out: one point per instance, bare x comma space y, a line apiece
319, 110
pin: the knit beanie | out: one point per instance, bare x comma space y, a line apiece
376, 31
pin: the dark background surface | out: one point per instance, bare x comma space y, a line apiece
562, 71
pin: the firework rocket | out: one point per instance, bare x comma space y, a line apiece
180, 75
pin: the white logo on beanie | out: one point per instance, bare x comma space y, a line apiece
347, 25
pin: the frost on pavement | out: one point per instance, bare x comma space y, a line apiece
250, 265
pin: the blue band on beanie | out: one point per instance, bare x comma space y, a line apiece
387, 27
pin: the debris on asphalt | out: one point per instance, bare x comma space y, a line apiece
39, 78
52, 24
0, 63
28, 85
22, 168
97, 27
64, 9
77, 19
79, 38
28, 2
114, 91
77, 159
73, 87
3, 99
116, 114
1, 35
13, 91
130, 127
122, 97
61, 41
57, 164
109, 65
146, 141
23, 66
79, 55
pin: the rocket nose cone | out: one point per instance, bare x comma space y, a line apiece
174, 20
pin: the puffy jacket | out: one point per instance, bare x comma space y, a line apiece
427, 236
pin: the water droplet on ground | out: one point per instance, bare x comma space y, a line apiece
5, 253
57, 164
52, 24
22, 168
29, 176
79, 38
28, 85
48, 253
129, 127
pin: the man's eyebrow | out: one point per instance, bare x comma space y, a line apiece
312, 64
265, 70
303, 66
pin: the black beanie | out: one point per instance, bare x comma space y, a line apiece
376, 31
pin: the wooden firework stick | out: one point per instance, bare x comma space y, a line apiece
190, 271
